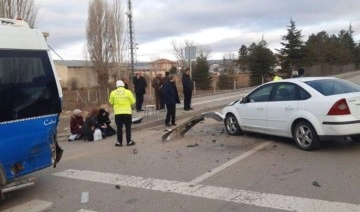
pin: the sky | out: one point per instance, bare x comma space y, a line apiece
219, 26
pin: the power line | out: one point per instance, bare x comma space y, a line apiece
55, 52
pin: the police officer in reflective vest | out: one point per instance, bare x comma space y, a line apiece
122, 100
274, 77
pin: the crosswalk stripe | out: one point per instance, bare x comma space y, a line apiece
229, 163
275, 201
31, 206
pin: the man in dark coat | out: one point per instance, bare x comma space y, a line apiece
164, 80
188, 87
139, 87
171, 97
157, 84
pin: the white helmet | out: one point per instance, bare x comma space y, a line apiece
120, 83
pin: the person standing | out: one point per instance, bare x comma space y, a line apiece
164, 80
122, 99
301, 72
139, 87
275, 77
188, 88
171, 97
157, 85
126, 82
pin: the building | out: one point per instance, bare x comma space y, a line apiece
76, 73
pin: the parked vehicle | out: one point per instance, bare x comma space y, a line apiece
30, 104
309, 110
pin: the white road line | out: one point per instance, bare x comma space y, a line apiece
83, 210
217, 99
31, 206
275, 201
229, 163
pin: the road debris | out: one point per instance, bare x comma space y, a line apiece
84, 197
193, 145
315, 183
185, 127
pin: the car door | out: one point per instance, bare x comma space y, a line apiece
252, 110
282, 107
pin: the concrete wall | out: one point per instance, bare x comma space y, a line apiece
85, 77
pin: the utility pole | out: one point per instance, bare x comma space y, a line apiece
131, 39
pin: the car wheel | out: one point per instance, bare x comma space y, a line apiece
232, 126
355, 137
305, 136
2, 178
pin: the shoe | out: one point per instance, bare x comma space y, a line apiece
173, 124
168, 125
142, 110
191, 108
131, 143
186, 109
118, 144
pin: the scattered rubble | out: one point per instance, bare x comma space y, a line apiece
193, 145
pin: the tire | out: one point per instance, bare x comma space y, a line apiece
232, 125
2, 177
355, 138
305, 136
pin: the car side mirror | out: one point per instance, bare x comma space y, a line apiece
244, 100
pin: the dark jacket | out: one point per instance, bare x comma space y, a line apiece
188, 85
103, 119
171, 95
90, 124
76, 124
139, 85
157, 84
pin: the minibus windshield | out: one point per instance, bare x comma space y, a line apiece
27, 85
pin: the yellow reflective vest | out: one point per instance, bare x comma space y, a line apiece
121, 99
277, 78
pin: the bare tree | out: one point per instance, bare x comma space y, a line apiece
105, 38
179, 51
120, 70
229, 61
27, 10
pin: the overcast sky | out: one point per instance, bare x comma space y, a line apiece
220, 25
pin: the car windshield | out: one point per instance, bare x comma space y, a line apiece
328, 87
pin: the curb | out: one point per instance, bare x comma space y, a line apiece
156, 122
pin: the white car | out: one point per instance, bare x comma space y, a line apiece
309, 110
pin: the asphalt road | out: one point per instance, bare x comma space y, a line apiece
207, 170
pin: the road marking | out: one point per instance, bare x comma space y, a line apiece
218, 99
229, 163
274, 201
31, 206
83, 210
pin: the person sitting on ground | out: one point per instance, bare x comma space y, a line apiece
103, 121
90, 125
76, 124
